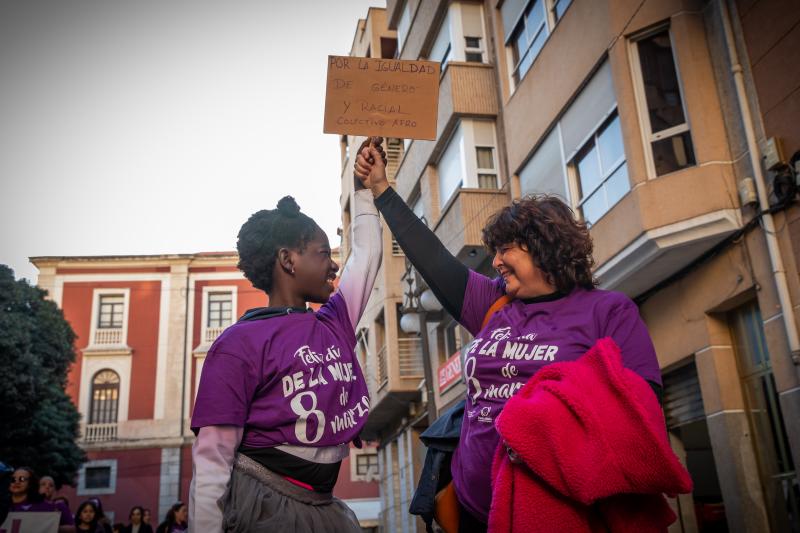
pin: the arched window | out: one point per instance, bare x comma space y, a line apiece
105, 397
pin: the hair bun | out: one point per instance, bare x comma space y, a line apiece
288, 207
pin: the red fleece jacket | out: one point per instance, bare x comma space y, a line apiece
593, 452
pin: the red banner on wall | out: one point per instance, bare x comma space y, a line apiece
450, 371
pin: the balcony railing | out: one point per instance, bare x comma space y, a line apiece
383, 367
108, 336
211, 334
100, 432
409, 350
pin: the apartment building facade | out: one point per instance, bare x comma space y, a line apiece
670, 127
144, 325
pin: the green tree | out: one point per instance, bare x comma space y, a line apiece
38, 422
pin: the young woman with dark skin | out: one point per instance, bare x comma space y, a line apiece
554, 312
282, 393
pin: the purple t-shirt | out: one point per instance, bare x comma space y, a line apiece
291, 379
518, 340
45, 507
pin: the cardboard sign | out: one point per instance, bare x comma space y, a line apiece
387, 97
34, 522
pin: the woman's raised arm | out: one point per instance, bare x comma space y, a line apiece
445, 275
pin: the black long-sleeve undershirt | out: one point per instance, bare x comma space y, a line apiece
445, 275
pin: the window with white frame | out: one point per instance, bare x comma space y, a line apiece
219, 309
367, 464
528, 38
473, 49
601, 171
97, 477
487, 170
481, 134
219, 305
105, 397
582, 158
460, 36
661, 103
111, 311
528, 23
109, 318
364, 464
469, 160
472, 32
451, 167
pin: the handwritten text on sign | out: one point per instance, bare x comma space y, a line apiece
367, 96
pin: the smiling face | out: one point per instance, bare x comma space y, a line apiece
19, 483
523, 278
314, 269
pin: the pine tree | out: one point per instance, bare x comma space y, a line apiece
38, 422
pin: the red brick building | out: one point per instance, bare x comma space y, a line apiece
144, 325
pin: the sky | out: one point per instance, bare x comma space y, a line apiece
159, 126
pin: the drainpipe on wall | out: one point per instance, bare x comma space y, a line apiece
775, 258
183, 386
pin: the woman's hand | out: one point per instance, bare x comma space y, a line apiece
370, 166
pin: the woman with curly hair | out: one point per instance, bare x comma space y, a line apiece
542, 308
282, 394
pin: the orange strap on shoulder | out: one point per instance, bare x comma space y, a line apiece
446, 510
496, 306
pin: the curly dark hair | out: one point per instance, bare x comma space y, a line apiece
266, 232
547, 229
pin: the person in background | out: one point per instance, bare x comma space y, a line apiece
118, 527
86, 518
25, 498
101, 516
176, 520
136, 523
47, 488
146, 517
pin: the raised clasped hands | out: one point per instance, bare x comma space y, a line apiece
370, 166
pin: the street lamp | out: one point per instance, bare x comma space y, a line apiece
419, 303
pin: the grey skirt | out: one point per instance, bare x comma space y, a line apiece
259, 500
